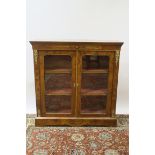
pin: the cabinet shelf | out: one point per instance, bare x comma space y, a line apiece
53, 71
95, 71
91, 92
59, 92
101, 111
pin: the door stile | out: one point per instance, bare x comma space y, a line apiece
73, 106
78, 81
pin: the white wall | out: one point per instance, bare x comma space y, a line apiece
79, 20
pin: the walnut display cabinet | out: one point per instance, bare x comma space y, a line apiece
76, 82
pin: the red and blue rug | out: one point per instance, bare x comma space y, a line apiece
78, 140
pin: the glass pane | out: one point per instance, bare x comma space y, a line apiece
57, 62
95, 62
93, 104
58, 83
94, 81
94, 84
58, 104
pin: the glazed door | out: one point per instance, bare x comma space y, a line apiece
95, 70
57, 73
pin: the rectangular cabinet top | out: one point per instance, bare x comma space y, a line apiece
59, 45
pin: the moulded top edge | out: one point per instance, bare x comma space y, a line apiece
75, 43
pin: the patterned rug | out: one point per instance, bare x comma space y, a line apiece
78, 140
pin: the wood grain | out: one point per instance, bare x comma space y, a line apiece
76, 50
75, 121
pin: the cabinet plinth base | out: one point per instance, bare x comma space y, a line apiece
75, 121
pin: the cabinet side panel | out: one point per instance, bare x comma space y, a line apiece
42, 86
115, 82
110, 83
37, 80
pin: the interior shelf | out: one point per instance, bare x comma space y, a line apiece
59, 92
87, 111
50, 71
95, 71
94, 92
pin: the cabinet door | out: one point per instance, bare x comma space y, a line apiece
95, 76
57, 75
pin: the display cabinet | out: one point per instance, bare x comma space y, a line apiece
76, 82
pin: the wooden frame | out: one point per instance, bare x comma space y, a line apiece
72, 55
76, 50
110, 80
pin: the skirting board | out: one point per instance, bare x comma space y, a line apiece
75, 121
